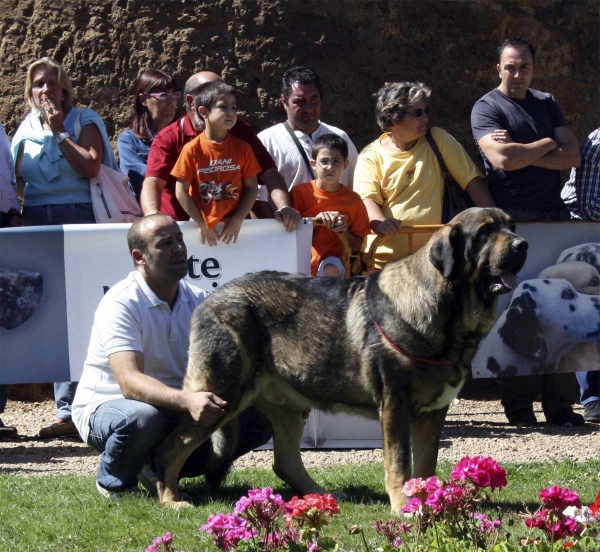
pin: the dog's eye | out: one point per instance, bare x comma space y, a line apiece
568, 294
486, 231
594, 281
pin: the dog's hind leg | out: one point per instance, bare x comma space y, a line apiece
171, 456
426, 431
288, 425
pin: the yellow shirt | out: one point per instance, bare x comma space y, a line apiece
409, 186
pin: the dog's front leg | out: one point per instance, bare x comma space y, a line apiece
395, 423
426, 431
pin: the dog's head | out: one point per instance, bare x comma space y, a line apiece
586, 252
582, 276
480, 245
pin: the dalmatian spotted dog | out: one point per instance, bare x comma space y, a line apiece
545, 319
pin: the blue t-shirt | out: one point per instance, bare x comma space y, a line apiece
133, 157
49, 177
527, 121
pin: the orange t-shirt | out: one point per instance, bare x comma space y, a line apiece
216, 172
310, 200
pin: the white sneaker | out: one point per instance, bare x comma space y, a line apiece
147, 479
118, 495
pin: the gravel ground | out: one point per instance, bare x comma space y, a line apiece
473, 427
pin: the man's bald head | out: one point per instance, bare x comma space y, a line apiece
195, 82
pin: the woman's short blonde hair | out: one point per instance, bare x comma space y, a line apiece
63, 80
394, 99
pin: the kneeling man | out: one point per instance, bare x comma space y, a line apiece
130, 395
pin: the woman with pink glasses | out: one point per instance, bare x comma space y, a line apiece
155, 105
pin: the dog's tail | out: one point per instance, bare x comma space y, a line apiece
224, 443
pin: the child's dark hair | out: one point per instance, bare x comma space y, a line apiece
207, 94
330, 141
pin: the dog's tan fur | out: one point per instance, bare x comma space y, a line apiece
283, 343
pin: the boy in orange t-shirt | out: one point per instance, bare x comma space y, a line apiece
341, 210
216, 172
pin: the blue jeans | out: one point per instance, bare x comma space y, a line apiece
128, 432
50, 215
589, 383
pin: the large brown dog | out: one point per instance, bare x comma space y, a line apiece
283, 343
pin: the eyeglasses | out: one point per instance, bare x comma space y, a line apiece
418, 113
164, 96
324, 163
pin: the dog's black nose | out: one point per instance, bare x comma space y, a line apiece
520, 246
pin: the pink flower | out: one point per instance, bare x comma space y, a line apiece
258, 496
414, 486
413, 505
486, 524
559, 497
228, 530
483, 472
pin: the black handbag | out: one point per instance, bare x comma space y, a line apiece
456, 200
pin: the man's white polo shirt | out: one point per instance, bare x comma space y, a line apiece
289, 161
130, 317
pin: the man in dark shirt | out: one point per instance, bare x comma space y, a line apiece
525, 143
158, 190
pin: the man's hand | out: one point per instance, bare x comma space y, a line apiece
501, 136
289, 217
208, 235
387, 227
205, 408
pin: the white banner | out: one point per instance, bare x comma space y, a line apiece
78, 263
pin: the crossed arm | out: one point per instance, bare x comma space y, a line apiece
558, 153
128, 369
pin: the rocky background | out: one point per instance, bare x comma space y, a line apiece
355, 46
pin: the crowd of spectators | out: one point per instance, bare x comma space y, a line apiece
211, 166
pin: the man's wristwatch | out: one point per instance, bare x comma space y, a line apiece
59, 138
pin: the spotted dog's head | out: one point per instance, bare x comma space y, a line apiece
545, 319
586, 253
480, 245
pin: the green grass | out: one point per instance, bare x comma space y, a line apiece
64, 513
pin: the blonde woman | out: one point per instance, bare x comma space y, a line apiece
53, 168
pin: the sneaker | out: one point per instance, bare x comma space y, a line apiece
522, 417
592, 412
566, 418
147, 479
118, 495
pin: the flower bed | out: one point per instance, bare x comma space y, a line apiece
440, 515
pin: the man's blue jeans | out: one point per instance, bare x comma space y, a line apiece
589, 383
128, 432
51, 215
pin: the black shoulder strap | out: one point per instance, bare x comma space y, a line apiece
298, 145
438, 154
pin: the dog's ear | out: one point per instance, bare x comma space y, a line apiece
447, 251
521, 331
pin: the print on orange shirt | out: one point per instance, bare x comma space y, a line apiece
216, 173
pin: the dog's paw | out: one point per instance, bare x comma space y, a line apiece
176, 505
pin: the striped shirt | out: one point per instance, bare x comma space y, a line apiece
581, 193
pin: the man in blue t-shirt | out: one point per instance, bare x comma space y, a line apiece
525, 143
523, 139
